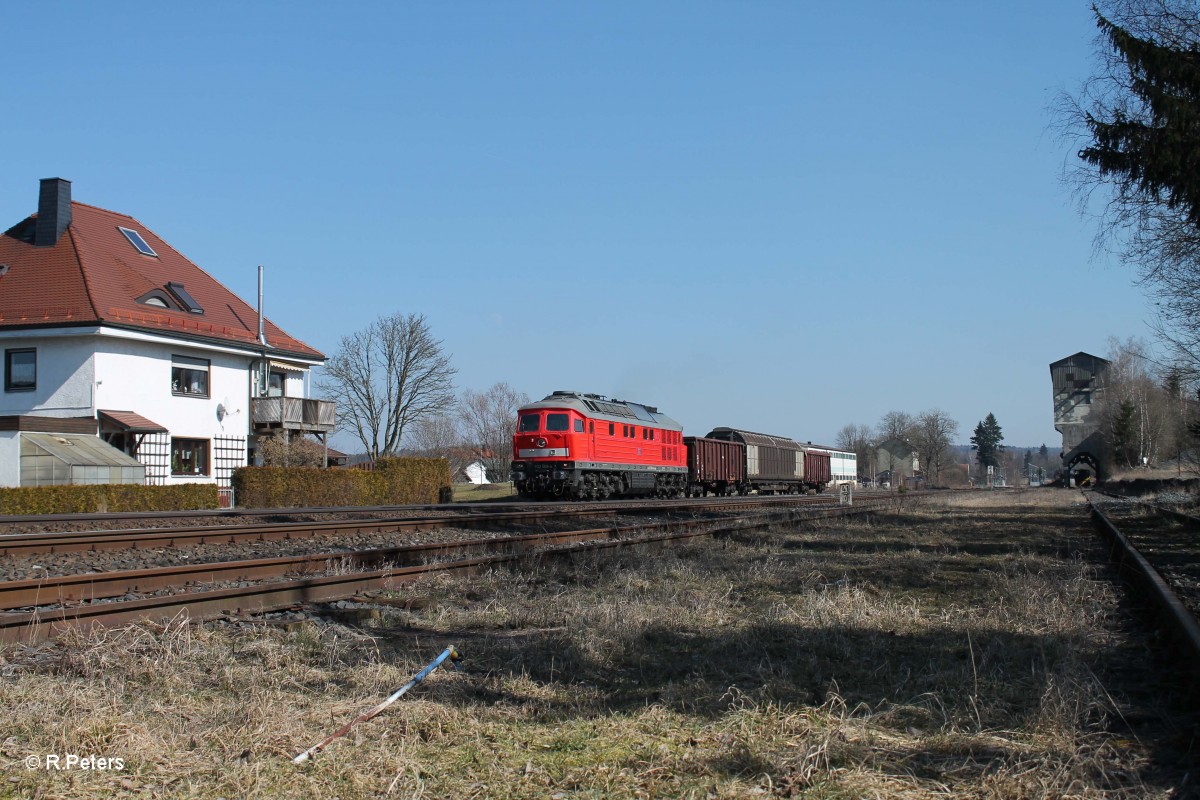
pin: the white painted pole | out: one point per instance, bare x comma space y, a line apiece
448, 653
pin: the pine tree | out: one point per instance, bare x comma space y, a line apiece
986, 442
1139, 118
1150, 148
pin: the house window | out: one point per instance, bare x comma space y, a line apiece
189, 376
275, 384
189, 456
20, 370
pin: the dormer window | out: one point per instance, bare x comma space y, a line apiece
138, 242
159, 299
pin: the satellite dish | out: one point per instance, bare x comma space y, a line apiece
220, 411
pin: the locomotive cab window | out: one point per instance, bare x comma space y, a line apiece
558, 422
529, 422
591, 427
579, 426
612, 428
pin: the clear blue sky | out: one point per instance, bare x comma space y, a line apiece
782, 216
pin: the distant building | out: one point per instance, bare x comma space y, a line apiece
126, 362
843, 465
1078, 383
475, 472
897, 458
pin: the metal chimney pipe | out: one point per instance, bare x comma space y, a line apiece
262, 332
264, 369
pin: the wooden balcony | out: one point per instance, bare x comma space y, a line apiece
293, 414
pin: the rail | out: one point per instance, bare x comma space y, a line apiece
1177, 619
206, 603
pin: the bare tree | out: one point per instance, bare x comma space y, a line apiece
896, 425
857, 439
439, 436
933, 435
387, 376
281, 449
1136, 414
488, 420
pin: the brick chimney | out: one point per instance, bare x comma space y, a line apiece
54, 211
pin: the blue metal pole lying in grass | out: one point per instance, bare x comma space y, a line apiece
448, 653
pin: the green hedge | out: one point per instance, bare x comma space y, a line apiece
116, 497
394, 481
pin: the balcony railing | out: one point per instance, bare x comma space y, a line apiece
294, 413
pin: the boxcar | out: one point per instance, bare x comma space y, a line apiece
773, 463
818, 469
843, 465
714, 465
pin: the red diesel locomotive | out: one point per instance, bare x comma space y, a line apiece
588, 447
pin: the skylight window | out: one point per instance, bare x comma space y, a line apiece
185, 299
138, 242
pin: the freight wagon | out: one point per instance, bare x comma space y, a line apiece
776, 464
715, 465
842, 463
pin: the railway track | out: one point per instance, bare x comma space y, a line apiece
229, 517
480, 516
50, 605
1157, 551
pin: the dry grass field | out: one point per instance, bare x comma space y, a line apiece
477, 493
973, 650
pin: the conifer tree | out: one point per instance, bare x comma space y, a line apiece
1150, 148
1138, 120
986, 442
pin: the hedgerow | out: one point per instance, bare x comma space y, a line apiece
98, 498
394, 481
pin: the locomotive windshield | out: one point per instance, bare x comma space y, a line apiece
557, 422
529, 422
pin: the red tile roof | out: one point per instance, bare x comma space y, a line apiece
94, 275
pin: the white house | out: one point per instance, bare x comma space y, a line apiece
475, 472
109, 335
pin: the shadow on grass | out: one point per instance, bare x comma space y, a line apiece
941, 677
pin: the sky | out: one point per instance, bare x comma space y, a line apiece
778, 216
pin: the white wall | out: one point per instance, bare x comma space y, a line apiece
64, 377
82, 371
10, 458
136, 376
